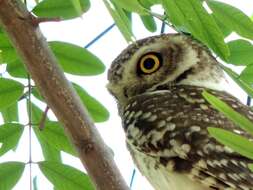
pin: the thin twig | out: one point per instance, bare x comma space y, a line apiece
163, 18
37, 20
43, 119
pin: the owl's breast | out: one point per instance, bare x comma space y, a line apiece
161, 177
159, 122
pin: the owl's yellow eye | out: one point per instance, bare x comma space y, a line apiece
149, 63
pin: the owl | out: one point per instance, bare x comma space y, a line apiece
158, 84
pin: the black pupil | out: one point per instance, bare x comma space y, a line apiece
149, 63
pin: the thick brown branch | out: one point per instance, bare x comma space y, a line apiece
60, 95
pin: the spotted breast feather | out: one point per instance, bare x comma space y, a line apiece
168, 139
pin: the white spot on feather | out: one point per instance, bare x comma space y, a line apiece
146, 115
170, 126
161, 123
152, 118
138, 114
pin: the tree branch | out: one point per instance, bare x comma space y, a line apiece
60, 95
36, 20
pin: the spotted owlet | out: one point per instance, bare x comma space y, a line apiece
157, 83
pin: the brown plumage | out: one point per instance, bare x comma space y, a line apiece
165, 116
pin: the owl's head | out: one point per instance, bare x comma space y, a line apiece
158, 62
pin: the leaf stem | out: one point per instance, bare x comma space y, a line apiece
29, 106
43, 119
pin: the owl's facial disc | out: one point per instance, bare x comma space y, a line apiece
156, 62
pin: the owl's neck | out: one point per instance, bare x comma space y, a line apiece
206, 74
209, 83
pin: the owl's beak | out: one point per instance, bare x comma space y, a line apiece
110, 88
117, 91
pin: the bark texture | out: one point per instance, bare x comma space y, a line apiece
60, 95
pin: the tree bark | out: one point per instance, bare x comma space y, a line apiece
60, 95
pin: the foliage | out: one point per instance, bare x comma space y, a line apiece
10, 134
241, 52
10, 173
65, 177
77, 61
229, 112
235, 141
193, 16
184, 16
10, 91
60, 8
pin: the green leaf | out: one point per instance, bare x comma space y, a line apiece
10, 173
126, 17
53, 134
121, 20
247, 74
10, 134
250, 167
10, 92
192, 15
149, 21
156, 1
60, 8
35, 184
176, 16
8, 53
65, 177
78, 60
229, 112
97, 111
241, 52
234, 18
36, 113
16, 68
132, 6
234, 141
146, 3
245, 86
223, 27
49, 152
149, 3
36, 93
10, 113
77, 6
1, 57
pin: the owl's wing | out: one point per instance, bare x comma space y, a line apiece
171, 126
223, 172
